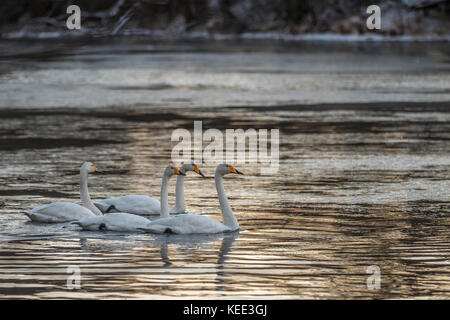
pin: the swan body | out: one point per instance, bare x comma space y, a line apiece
115, 221
186, 224
145, 205
195, 224
132, 203
58, 212
121, 221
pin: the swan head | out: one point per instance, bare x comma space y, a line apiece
191, 166
224, 169
89, 167
172, 170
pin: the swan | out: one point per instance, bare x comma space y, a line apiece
114, 221
60, 211
193, 224
180, 203
122, 221
145, 205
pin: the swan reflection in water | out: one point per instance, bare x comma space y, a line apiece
143, 263
186, 241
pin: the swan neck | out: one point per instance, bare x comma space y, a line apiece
229, 219
180, 203
164, 198
84, 193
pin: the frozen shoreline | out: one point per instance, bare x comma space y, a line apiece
203, 35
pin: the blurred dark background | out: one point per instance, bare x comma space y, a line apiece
402, 17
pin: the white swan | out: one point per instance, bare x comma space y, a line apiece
114, 221
121, 221
189, 223
145, 205
180, 203
57, 212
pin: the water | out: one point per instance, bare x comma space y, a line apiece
363, 179
54, 73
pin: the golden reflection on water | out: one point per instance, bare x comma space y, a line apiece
339, 204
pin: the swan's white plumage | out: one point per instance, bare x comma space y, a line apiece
61, 211
115, 221
145, 205
132, 203
192, 224
186, 224
135, 204
121, 221
57, 212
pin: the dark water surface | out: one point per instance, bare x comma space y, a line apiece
359, 184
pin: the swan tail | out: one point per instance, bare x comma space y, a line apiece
36, 217
26, 213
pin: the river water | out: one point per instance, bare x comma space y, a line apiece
363, 173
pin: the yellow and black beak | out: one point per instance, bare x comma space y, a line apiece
197, 171
178, 172
95, 169
234, 170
